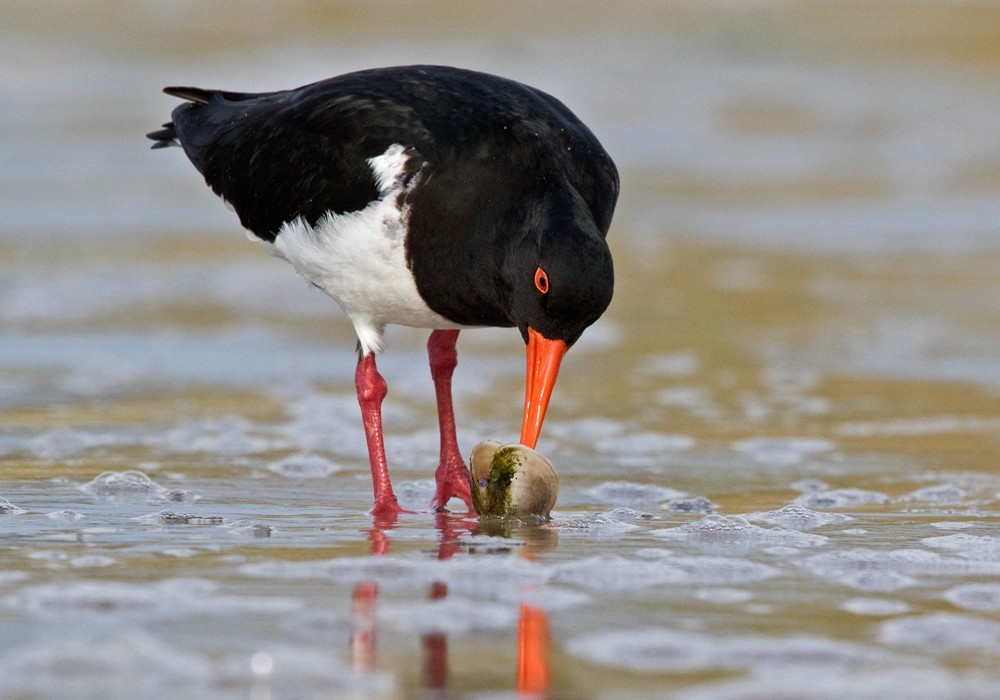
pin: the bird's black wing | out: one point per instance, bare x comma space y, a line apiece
278, 156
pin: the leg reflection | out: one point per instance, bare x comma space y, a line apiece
364, 654
364, 648
435, 646
533, 675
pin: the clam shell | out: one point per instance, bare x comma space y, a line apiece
511, 480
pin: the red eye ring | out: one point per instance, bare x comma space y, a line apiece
541, 281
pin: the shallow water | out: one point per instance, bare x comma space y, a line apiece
778, 450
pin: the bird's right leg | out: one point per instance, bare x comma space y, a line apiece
452, 475
371, 390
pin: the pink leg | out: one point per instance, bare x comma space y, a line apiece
452, 476
371, 390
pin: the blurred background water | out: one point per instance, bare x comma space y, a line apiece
778, 449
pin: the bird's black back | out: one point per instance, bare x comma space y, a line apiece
303, 152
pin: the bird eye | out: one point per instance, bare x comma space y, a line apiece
541, 281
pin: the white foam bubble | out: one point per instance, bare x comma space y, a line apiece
551, 597
954, 525
451, 615
283, 670
940, 494
127, 484
230, 435
93, 561
650, 650
887, 571
248, 528
674, 651
125, 665
599, 525
697, 505
630, 493
942, 633
673, 364
304, 466
499, 577
66, 515
325, 626
131, 601
87, 598
875, 607
696, 399
975, 596
641, 449
723, 596
810, 485
168, 517
60, 443
929, 425
482, 543
175, 496
48, 555
417, 451
782, 451
384, 570
861, 569
733, 533
325, 423
841, 498
627, 515
614, 574
8, 508
415, 493
976, 547
896, 680
796, 517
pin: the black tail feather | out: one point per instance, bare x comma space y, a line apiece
191, 94
167, 136
195, 96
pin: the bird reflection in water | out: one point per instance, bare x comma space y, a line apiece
532, 675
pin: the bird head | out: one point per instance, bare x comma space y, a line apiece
562, 282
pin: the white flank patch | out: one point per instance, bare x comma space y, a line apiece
388, 169
359, 258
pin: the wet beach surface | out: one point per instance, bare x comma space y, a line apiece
778, 451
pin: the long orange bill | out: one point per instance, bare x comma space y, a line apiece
544, 356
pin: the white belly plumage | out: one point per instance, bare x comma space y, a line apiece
359, 258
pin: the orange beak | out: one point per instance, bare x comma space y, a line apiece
544, 356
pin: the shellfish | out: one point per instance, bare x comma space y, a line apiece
511, 481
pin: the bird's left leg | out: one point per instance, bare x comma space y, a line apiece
452, 476
371, 390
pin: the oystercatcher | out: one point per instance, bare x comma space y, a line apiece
426, 196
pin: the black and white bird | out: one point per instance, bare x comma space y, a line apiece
426, 196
